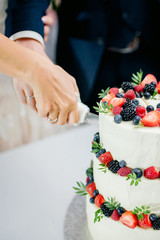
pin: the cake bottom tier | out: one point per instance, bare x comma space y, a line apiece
107, 229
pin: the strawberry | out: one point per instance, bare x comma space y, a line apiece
108, 98
130, 94
124, 171
141, 111
151, 172
158, 87
114, 90
129, 219
115, 216
145, 222
90, 188
117, 101
106, 158
148, 79
138, 88
99, 199
151, 119
116, 110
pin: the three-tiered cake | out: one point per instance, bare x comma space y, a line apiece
123, 182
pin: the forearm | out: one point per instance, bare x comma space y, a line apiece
16, 61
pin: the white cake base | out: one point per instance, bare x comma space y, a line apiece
107, 229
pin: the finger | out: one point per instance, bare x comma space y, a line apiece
62, 118
53, 115
73, 116
31, 102
20, 93
46, 30
47, 20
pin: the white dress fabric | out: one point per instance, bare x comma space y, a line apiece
18, 123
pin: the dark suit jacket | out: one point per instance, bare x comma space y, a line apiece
25, 15
87, 27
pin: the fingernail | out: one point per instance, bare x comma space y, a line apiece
43, 19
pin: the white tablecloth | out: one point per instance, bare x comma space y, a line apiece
36, 184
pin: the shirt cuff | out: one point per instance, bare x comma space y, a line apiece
27, 34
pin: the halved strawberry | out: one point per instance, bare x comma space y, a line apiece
106, 158
115, 216
129, 219
108, 98
117, 101
151, 172
90, 188
99, 199
124, 171
145, 222
148, 79
114, 90
130, 94
158, 87
151, 119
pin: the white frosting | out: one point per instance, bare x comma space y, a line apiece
139, 147
113, 230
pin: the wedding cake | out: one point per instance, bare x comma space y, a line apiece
123, 181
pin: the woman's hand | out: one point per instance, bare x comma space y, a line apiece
55, 93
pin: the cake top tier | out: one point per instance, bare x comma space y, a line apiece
136, 102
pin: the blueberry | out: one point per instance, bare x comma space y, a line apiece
96, 192
138, 172
149, 108
135, 101
136, 120
158, 105
96, 137
121, 210
118, 118
92, 200
122, 163
120, 95
91, 177
101, 151
153, 83
141, 94
147, 95
137, 95
153, 217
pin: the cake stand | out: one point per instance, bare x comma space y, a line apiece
75, 225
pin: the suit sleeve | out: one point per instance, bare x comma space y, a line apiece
23, 15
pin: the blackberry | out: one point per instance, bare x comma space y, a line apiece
128, 113
127, 86
106, 211
149, 88
156, 224
114, 166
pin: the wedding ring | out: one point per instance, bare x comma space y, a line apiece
54, 120
29, 97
